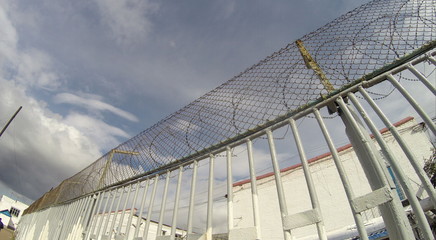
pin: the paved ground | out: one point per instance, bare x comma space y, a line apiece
6, 234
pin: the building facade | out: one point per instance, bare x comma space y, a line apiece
11, 211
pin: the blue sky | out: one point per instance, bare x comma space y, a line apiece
91, 74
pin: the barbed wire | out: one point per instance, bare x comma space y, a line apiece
346, 49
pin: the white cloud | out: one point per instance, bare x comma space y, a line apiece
103, 134
127, 19
93, 104
38, 148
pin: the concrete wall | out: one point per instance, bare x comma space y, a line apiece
5, 204
334, 205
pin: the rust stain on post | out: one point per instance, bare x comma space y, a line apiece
311, 64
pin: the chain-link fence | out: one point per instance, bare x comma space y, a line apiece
356, 46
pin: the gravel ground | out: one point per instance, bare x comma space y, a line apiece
6, 234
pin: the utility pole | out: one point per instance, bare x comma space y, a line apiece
10, 120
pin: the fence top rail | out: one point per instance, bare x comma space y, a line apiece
360, 45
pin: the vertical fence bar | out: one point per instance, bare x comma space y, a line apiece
254, 194
88, 215
120, 224
40, 226
279, 184
53, 223
100, 222
392, 211
209, 223
141, 210
399, 173
412, 158
129, 221
49, 225
192, 196
65, 220
342, 174
309, 181
94, 215
106, 223
176, 204
32, 222
76, 221
163, 205
421, 77
82, 215
70, 223
229, 190
112, 228
57, 221
413, 103
62, 220
150, 207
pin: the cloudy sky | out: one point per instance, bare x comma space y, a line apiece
90, 74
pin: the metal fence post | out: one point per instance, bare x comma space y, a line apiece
392, 211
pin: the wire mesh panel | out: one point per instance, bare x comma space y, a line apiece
271, 136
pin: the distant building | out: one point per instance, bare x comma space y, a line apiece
11, 211
335, 208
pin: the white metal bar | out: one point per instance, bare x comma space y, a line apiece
192, 196
88, 214
116, 210
229, 190
432, 59
62, 220
52, 225
41, 225
254, 194
399, 173
279, 184
120, 224
309, 181
163, 205
423, 79
65, 220
176, 204
57, 221
106, 223
94, 215
129, 221
70, 224
209, 223
413, 103
150, 207
82, 215
392, 212
343, 175
76, 221
141, 209
412, 158
100, 222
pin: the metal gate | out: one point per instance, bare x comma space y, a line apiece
245, 161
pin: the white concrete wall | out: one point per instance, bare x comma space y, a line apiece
334, 205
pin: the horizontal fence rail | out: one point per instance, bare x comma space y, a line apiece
302, 145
